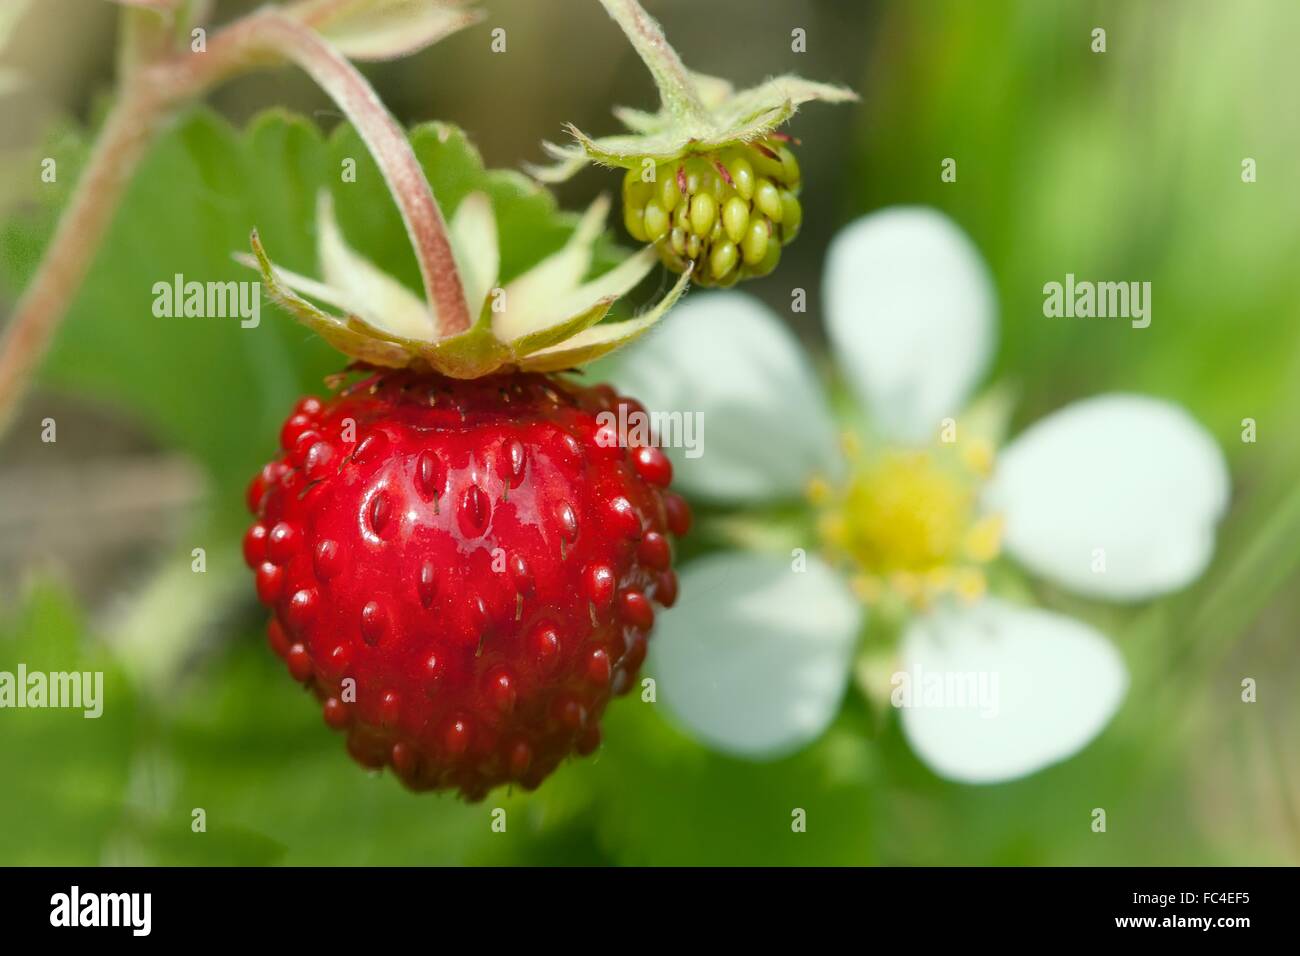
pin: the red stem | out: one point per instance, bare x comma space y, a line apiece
397, 162
148, 96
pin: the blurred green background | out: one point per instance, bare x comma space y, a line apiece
1125, 164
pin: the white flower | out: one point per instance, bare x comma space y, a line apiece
1114, 497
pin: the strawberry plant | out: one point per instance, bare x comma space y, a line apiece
461, 562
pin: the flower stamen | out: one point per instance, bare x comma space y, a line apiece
908, 520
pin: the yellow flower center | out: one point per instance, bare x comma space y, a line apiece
908, 522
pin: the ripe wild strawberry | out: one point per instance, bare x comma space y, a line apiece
461, 571
461, 566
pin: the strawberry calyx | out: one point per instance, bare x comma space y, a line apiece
543, 320
699, 114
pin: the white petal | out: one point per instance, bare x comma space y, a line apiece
1116, 496
1025, 688
910, 308
725, 356
755, 658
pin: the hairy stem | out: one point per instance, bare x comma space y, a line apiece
126, 136
397, 161
148, 96
676, 88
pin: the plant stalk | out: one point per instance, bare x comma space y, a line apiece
149, 95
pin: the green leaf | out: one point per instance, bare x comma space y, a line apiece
658, 798
66, 774
248, 746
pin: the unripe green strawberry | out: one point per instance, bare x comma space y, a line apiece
729, 211
712, 183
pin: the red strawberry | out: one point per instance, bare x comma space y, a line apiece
473, 558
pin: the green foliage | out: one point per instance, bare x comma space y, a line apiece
65, 775
1124, 165
658, 798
